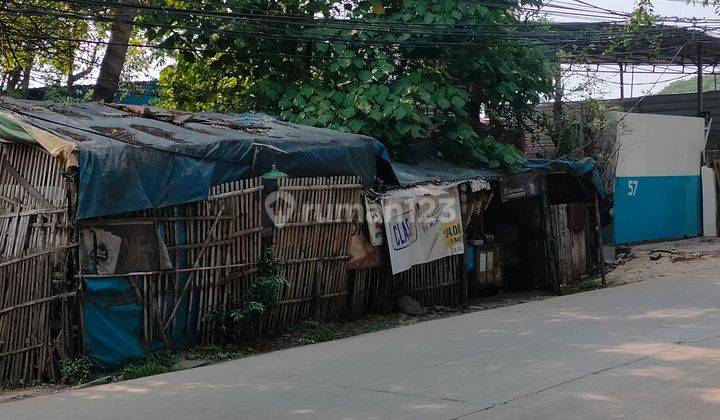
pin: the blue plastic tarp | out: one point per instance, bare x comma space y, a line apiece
135, 158
583, 168
113, 322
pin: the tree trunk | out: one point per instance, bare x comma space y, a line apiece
13, 79
473, 108
27, 73
114, 59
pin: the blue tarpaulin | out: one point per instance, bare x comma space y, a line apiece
134, 158
583, 168
113, 322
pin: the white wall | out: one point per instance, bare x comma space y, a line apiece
659, 145
709, 202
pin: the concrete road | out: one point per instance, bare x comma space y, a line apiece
649, 350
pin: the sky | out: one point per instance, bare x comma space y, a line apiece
607, 84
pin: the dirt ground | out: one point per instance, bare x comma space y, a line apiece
646, 261
8, 395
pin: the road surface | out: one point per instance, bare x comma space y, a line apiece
649, 350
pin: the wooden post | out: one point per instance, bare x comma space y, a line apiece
464, 292
598, 234
464, 286
317, 291
552, 264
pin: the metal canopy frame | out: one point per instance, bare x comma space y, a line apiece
589, 43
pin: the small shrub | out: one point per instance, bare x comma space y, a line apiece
263, 291
154, 364
263, 294
588, 285
76, 371
216, 354
314, 332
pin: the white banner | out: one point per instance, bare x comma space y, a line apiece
422, 224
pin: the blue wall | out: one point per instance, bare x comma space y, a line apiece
657, 207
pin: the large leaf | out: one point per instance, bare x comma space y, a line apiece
364, 75
347, 113
355, 125
382, 93
399, 113
299, 101
458, 101
443, 103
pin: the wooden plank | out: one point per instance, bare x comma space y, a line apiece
25, 184
37, 254
598, 235
37, 301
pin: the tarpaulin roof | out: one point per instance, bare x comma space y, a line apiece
132, 158
435, 169
438, 170
583, 168
429, 166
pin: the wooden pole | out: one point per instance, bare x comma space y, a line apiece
552, 263
464, 287
598, 234
317, 292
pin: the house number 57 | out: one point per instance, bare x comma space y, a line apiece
632, 188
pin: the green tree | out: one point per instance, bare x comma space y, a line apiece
58, 43
689, 85
395, 70
42, 36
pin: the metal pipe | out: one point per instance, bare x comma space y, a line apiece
700, 81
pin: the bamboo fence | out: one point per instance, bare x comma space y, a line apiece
35, 295
436, 283
313, 241
214, 246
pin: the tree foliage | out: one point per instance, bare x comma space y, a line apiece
32, 38
60, 43
399, 71
689, 85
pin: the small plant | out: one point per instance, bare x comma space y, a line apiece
153, 364
216, 354
588, 285
76, 371
263, 294
264, 290
315, 332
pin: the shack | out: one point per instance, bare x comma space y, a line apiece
536, 229
125, 229
122, 228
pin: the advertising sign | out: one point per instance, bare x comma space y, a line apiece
422, 225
